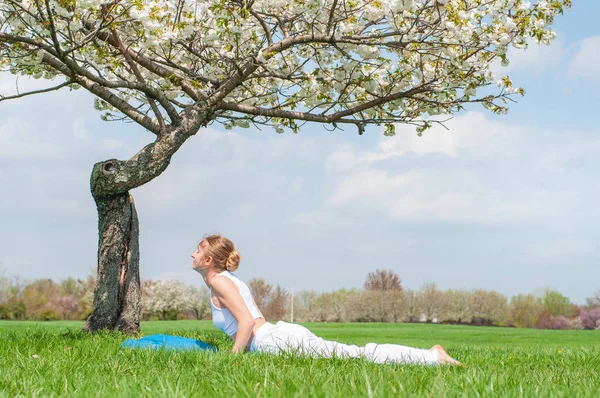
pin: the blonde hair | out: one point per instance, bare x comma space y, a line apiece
223, 253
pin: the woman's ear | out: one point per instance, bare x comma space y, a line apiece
208, 261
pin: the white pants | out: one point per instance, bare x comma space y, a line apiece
292, 338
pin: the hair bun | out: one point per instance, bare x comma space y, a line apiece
233, 261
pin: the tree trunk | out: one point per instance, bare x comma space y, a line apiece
117, 292
117, 296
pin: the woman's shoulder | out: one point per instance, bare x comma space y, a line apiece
223, 282
232, 276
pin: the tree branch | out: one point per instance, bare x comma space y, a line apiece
46, 90
151, 66
337, 117
243, 72
173, 115
116, 176
264, 26
382, 100
331, 15
52, 29
104, 93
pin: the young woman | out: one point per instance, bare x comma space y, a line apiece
235, 312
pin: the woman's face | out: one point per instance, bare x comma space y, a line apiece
200, 261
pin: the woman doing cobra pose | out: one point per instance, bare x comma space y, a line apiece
235, 312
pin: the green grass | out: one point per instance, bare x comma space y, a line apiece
498, 362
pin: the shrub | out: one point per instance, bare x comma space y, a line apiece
47, 315
487, 307
4, 312
557, 304
17, 309
524, 310
590, 318
544, 320
67, 306
169, 315
561, 323
86, 313
576, 323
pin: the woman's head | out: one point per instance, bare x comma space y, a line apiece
219, 251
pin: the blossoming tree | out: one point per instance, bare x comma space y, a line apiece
164, 296
175, 66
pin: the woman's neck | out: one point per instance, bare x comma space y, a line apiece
208, 274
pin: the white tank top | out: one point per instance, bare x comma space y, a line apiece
222, 318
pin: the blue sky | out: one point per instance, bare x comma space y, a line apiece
507, 203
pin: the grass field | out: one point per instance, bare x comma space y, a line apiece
498, 362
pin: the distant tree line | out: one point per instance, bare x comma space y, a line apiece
381, 299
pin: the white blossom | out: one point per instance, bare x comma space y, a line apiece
364, 52
163, 296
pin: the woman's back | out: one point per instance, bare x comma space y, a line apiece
222, 318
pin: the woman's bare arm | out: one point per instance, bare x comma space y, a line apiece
229, 297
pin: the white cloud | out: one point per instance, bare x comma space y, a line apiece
238, 171
474, 133
50, 159
585, 64
535, 59
17, 144
564, 248
480, 171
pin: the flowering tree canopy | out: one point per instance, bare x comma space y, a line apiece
273, 62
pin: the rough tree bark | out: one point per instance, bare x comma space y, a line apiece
117, 295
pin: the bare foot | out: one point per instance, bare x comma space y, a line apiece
444, 358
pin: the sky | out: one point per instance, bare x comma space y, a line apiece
506, 203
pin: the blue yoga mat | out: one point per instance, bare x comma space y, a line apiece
165, 341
